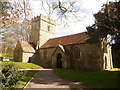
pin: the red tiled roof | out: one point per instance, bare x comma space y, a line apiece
66, 40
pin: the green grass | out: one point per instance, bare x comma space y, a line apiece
93, 79
23, 65
7, 57
28, 75
116, 68
10, 58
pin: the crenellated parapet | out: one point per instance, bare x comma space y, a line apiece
44, 18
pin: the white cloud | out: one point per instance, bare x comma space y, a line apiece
77, 27
35, 7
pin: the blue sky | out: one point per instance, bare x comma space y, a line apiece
88, 8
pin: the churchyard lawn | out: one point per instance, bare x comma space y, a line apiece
23, 65
92, 79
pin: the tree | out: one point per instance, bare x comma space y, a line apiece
15, 23
4, 20
107, 21
22, 13
10, 75
66, 11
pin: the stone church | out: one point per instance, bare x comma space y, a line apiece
68, 52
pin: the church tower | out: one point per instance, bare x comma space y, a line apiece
42, 29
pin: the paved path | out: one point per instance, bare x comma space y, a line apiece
47, 79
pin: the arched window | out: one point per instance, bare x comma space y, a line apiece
45, 54
76, 52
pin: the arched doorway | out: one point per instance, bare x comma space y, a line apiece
29, 59
59, 60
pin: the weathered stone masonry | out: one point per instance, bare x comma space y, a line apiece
69, 52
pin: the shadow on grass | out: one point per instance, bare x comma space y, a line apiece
93, 79
28, 74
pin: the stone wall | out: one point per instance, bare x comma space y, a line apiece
18, 53
65, 58
35, 58
90, 57
42, 29
47, 29
85, 56
116, 55
26, 56
20, 56
45, 57
35, 30
48, 56
44, 36
79, 57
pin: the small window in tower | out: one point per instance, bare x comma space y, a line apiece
48, 28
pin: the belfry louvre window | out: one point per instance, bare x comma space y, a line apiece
76, 52
48, 28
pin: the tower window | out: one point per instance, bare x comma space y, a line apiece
48, 28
